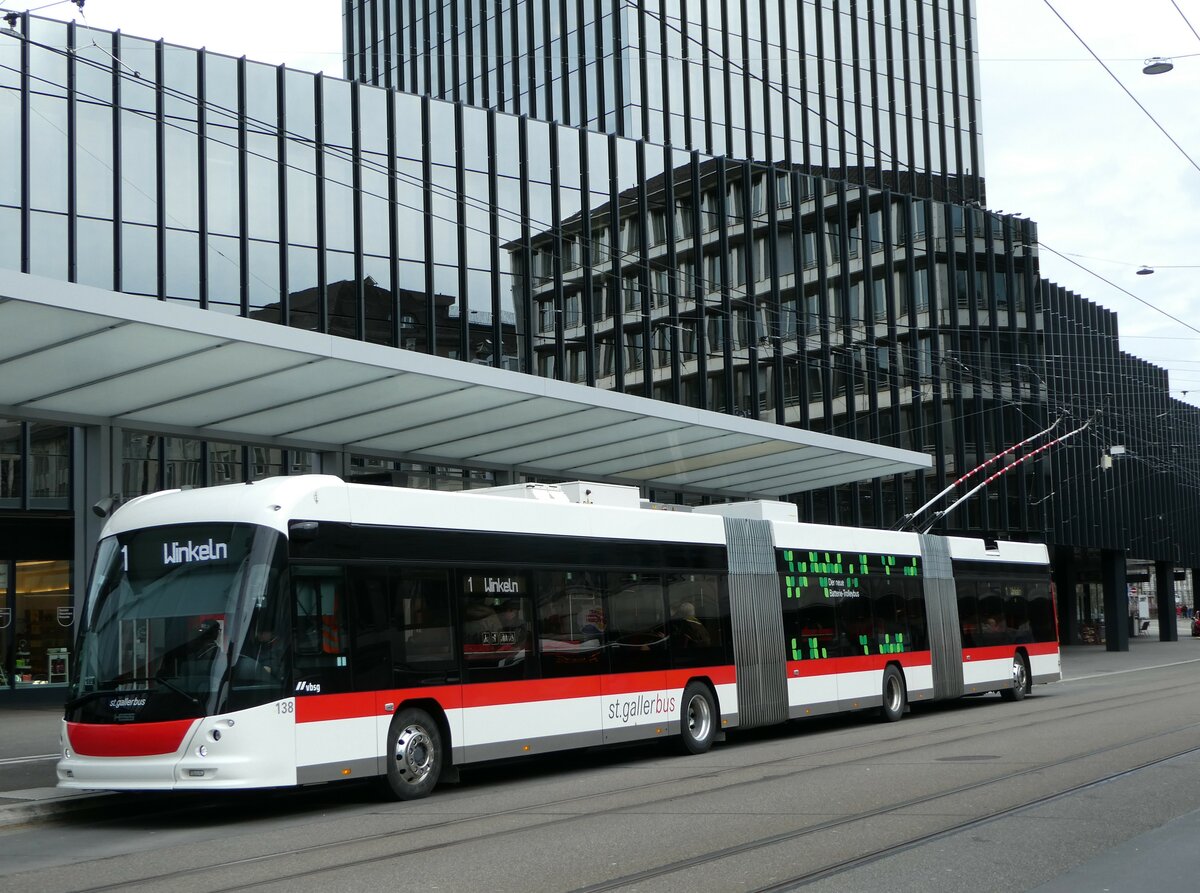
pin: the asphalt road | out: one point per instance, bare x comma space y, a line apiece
982, 794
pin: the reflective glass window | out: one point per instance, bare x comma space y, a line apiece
139, 463
139, 259
47, 152
224, 277
226, 463
94, 252
184, 462
48, 244
12, 482
264, 274
93, 159
49, 465
339, 176
182, 265
221, 84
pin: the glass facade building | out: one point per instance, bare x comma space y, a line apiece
784, 246
745, 287
879, 93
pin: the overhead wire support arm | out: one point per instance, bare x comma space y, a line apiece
937, 516
913, 515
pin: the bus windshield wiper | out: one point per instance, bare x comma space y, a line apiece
108, 689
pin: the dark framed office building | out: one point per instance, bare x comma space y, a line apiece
793, 269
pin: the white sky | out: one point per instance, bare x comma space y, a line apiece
1063, 144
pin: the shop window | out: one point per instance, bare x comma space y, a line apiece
42, 621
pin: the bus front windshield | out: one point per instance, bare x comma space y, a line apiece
182, 621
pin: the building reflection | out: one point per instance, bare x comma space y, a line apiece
366, 311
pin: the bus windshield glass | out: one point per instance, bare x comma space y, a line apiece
182, 621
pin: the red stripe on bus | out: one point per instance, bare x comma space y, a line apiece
318, 708
723, 675
1041, 648
145, 739
1006, 652
322, 708
832, 666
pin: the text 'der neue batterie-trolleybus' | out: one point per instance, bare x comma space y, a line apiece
303, 629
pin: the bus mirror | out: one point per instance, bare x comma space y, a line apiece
303, 531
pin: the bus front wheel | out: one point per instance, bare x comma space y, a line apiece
698, 719
414, 754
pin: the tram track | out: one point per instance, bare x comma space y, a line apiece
847, 865
882, 852
913, 742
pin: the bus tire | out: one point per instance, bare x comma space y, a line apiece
1020, 680
895, 695
415, 755
697, 719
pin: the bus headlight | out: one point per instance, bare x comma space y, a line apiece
202, 751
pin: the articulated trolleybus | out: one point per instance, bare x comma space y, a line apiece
303, 629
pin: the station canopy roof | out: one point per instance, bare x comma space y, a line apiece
81, 355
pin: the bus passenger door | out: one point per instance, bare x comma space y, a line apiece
334, 725
423, 654
637, 703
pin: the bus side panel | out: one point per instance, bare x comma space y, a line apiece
727, 699
335, 737
1045, 663
989, 668
637, 705
812, 689
834, 684
536, 716
986, 669
860, 679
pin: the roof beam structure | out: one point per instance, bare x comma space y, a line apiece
82, 355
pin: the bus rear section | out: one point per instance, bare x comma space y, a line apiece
880, 619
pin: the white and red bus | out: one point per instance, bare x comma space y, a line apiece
303, 629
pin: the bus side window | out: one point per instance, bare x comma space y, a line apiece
423, 647
320, 614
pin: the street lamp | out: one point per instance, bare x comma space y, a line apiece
1157, 65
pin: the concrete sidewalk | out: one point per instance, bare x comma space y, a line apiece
1145, 652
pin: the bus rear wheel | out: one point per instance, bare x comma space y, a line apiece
414, 755
895, 695
698, 719
1020, 681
